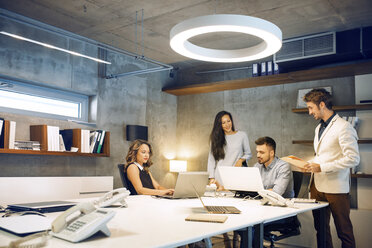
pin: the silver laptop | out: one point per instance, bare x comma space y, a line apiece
185, 180
240, 178
211, 209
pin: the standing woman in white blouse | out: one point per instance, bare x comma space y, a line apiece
229, 147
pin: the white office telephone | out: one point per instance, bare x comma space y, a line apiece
81, 222
112, 197
270, 197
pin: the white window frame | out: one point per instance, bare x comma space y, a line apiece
46, 92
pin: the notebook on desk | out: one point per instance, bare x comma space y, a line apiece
185, 180
42, 207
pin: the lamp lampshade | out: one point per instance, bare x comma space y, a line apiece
177, 165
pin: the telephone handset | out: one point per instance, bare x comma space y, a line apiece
269, 196
112, 197
81, 222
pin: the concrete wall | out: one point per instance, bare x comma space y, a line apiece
126, 100
262, 111
266, 111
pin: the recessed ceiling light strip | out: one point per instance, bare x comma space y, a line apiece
54, 47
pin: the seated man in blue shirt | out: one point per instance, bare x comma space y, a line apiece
276, 175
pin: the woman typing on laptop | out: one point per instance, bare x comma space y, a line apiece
229, 147
139, 178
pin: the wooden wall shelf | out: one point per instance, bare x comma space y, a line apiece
39, 133
339, 108
283, 78
310, 142
31, 152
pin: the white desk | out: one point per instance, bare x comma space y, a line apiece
154, 222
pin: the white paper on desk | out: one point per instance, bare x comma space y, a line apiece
26, 224
295, 161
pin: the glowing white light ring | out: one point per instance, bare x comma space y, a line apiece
270, 34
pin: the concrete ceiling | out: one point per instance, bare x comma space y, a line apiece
114, 21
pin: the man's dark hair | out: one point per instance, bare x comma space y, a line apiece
266, 141
317, 96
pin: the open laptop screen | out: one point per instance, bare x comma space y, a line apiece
240, 178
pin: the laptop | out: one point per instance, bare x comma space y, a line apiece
185, 180
246, 179
42, 207
218, 209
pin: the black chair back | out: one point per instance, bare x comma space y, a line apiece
297, 182
122, 175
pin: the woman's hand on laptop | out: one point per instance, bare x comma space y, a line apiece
166, 192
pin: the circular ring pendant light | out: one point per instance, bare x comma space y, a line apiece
270, 34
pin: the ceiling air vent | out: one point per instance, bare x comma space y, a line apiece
307, 47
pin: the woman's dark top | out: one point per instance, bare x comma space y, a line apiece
145, 180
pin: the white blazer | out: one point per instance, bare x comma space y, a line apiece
336, 151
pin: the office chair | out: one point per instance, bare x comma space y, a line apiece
123, 176
291, 227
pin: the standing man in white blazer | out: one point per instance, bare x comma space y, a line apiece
336, 152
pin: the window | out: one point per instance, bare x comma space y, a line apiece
29, 99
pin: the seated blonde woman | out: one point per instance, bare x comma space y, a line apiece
139, 178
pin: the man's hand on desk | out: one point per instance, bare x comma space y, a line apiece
312, 167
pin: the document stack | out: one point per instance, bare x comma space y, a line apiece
27, 145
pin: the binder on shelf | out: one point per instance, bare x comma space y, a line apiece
2, 124
98, 140
53, 138
92, 140
67, 138
12, 132
255, 70
269, 67
101, 141
276, 68
263, 69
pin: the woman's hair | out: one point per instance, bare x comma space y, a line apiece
133, 151
217, 137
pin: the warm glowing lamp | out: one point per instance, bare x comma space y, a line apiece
177, 165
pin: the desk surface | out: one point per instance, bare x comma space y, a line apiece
155, 222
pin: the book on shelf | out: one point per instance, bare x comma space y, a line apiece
62, 147
296, 161
1, 132
93, 140
12, 132
97, 141
99, 149
53, 138
85, 146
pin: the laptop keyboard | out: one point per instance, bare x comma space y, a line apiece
220, 209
